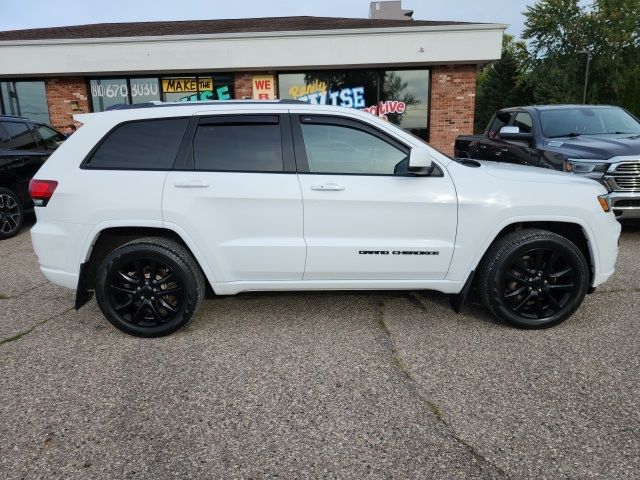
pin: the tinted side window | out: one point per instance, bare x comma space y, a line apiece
246, 147
524, 122
341, 149
50, 137
500, 120
21, 136
143, 145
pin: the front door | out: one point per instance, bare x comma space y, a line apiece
239, 199
365, 217
520, 152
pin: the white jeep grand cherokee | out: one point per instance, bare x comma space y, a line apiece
146, 206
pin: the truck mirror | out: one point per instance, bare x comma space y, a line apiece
514, 133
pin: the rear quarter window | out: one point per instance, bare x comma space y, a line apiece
140, 145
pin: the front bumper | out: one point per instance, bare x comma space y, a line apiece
625, 205
604, 239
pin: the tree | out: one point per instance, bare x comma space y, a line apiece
560, 30
500, 85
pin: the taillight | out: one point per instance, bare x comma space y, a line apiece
41, 191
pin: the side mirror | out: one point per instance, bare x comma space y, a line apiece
420, 162
514, 133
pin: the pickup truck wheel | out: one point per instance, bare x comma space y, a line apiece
533, 279
149, 287
11, 214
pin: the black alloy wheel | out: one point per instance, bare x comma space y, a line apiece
11, 214
538, 283
533, 278
145, 292
149, 287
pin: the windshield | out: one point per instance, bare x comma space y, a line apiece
571, 122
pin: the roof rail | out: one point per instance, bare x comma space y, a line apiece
154, 104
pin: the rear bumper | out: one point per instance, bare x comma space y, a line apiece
56, 245
59, 277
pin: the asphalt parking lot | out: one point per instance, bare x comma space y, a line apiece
331, 385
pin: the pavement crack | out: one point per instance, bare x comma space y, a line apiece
20, 294
29, 290
389, 344
26, 332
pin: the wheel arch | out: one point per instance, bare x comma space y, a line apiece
104, 240
573, 231
13, 183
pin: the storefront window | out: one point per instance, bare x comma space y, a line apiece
144, 90
404, 97
400, 96
107, 93
201, 87
25, 99
348, 88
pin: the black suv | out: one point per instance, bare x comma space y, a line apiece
24, 146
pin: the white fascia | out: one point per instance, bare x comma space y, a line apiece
404, 46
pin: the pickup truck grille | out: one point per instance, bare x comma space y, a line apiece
630, 168
628, 183
626, 176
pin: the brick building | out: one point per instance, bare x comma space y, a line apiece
418, 74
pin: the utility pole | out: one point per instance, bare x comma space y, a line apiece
586, 75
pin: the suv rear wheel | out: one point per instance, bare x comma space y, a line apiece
11, 213
149, 287
533, 279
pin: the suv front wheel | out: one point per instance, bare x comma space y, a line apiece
533, 279
149, 287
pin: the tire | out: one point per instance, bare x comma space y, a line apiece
149, 287
11, 214
533, 279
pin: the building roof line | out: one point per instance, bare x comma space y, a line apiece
262, 34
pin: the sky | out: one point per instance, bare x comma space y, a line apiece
16, 15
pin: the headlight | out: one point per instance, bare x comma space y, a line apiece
590, 168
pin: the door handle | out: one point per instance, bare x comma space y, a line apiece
327, 187
190, 184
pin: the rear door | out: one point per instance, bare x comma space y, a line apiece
20, 156
238, 197
365, 216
